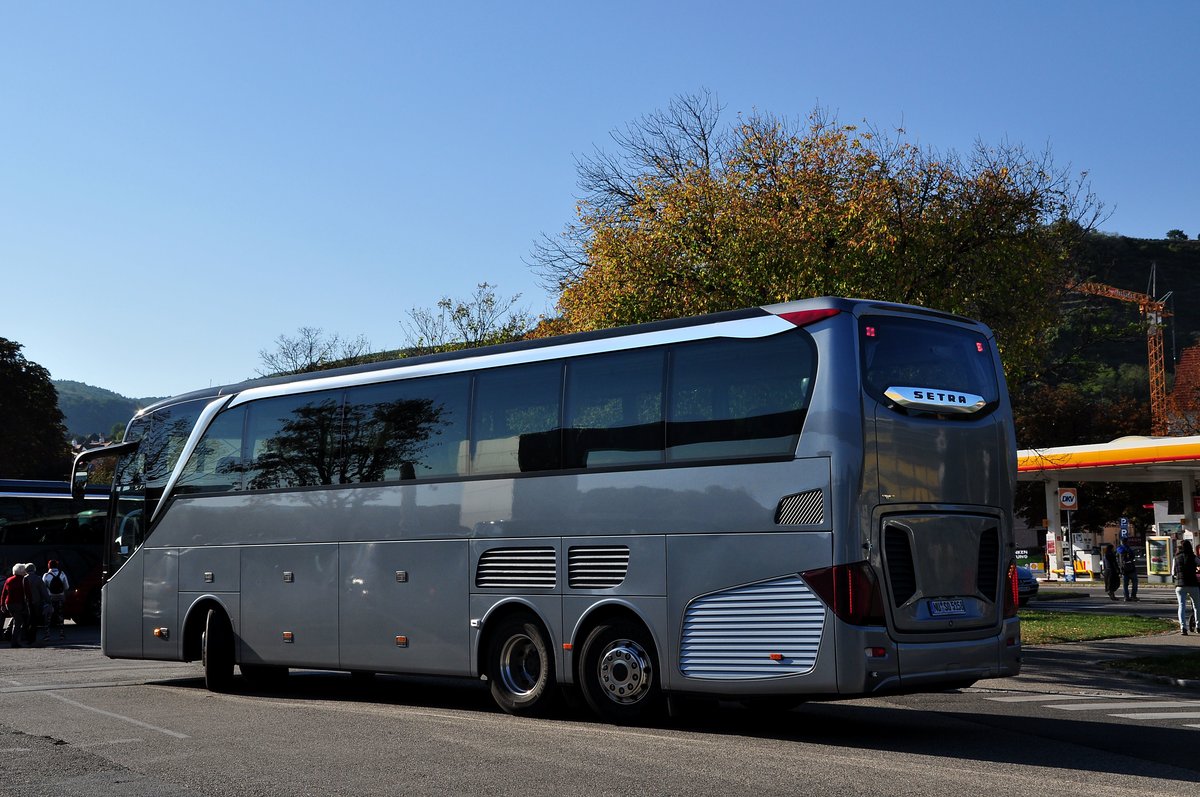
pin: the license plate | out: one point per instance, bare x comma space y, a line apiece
947, 607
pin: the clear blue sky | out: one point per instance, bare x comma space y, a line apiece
182, 183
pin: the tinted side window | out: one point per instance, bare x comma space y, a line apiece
32, 521
738, 398
515, 425
216, 464
412, 429
614, 410
292, 441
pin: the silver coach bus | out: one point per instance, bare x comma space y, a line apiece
806, 500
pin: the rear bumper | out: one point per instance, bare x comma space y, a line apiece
928, 666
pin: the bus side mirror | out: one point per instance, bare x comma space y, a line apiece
79, 471
79, 480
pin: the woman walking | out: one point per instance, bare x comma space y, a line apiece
1187, 586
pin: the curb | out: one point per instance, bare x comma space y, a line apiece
1183, 683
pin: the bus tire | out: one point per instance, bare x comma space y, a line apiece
216, 651
617, 672
520, 667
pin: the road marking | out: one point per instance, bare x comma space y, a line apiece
121, 717
1128, 704
16, 750
1170, 715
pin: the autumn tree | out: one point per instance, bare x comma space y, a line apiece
32, 435
481, 319
688, 216
310, 350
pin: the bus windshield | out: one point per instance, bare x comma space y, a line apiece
141, 475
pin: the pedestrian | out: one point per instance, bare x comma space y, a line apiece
1187, 586
1112, 571
1129, 578
36, 599
12, 598
56, 587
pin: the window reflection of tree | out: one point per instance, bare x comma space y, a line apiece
378, 442
392, 439
161, 437
301, 452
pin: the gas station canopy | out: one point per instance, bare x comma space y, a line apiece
1128, 459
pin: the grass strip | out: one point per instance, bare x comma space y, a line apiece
1050, 628
1177, 665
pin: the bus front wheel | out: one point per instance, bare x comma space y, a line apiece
216, 647
616, 672
520, 667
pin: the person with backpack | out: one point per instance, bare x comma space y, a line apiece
1129, 575
12, 598
57, 585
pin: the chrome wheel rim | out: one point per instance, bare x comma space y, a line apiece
625, 672
520, 666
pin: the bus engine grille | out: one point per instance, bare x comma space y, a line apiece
988, 571
769, 629
597, 567
901, 571
517, 568
801, 509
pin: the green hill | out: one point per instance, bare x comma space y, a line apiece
93, 410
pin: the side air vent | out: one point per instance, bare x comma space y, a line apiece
517, 568
897, 552
597, 567
989, 563
801, 509
772, 628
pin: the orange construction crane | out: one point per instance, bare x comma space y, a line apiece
1154, 311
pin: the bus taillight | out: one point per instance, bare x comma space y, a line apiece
851, 591
1011, 592
803, 318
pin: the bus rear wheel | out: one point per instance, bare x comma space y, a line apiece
216, 651
617, 673
520, 667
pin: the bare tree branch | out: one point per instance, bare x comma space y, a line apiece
310, 350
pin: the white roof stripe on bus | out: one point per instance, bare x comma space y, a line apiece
756, 327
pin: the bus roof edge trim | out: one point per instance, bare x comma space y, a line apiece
757, 327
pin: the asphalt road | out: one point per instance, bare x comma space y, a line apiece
1153, 601
75, 723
